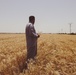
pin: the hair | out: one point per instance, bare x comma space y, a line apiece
31, 18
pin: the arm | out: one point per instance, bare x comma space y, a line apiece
33, 32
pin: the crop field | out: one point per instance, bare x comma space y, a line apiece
56, 55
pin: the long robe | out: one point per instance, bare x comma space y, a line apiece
31, 40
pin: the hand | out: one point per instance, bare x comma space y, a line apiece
38, 35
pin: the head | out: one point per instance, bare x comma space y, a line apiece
32, 19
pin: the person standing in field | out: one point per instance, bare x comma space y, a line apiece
31, 39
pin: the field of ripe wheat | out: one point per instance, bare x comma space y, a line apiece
56, 55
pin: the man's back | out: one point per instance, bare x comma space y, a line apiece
30, 37
30, 31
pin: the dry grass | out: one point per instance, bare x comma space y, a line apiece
56, 55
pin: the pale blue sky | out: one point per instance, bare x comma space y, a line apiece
52, 16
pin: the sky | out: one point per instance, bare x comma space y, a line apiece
51, 16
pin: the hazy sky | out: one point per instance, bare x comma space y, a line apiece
52, 16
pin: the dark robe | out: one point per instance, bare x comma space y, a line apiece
31, 40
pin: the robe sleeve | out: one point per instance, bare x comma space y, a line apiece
33, 32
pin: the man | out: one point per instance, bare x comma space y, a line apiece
31, 39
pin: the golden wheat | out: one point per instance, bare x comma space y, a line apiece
56, 55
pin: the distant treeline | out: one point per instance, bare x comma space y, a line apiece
11, 33
68, 33
43, 33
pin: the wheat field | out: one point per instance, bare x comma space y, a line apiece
56, 55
